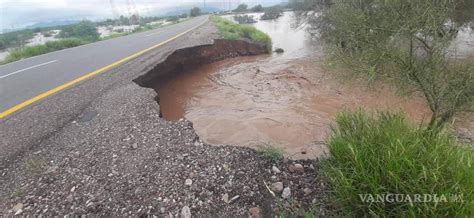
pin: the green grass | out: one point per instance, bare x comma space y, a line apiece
233, 31
270, 153
115, 35
385, 155
30, 51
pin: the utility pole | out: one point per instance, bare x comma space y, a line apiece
114, 9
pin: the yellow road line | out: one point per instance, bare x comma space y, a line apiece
89, 75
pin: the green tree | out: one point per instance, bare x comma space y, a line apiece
257, 8
83, 29
241, 8
172, 19
195, 12
407, 42
272, 13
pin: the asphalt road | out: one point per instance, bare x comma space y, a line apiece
27, 78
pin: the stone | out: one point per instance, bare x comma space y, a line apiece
18, 207
255, 212
276, 170
296, 168
286, 193
307, 191
277, 187
69, 198
188, 182
225, 198
18, 212
185, 212
162, 210
291, 168
299, 168
134, 146
233, 199
73, 189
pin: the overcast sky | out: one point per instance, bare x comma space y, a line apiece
20, 13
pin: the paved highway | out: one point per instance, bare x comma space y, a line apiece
31, 79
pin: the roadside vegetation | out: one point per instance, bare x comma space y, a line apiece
233, 31
15, 39
270, 153
376, 156
195, 12
407, 44
30, 51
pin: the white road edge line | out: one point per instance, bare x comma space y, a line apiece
28, 68
151, 34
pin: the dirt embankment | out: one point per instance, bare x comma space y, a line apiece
189, 58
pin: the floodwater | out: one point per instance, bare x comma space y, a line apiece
287, 101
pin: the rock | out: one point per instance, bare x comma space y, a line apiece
18, 207
185, 212
307, 191
69, 198
188, 182
299, 168
276, 170
73, 189
296, 168
134, 146
277, 187
18, 212
291, 168
234, 199
255, 212
225, 198
162, 210
286, 193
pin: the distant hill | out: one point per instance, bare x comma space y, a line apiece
187, 9
52, 24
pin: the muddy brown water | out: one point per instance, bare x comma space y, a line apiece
287, 101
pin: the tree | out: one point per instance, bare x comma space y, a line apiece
257, 8
241, 8
195, 12
407, 42
83, 29
272, 13
302, 5
172, 19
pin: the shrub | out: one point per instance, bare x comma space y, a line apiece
272, 13
279, 50
80, 30
195, 12
407, 42
50, 46
270, 153
385, 155
233, 31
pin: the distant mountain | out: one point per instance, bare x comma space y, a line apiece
186, 9
52, 24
